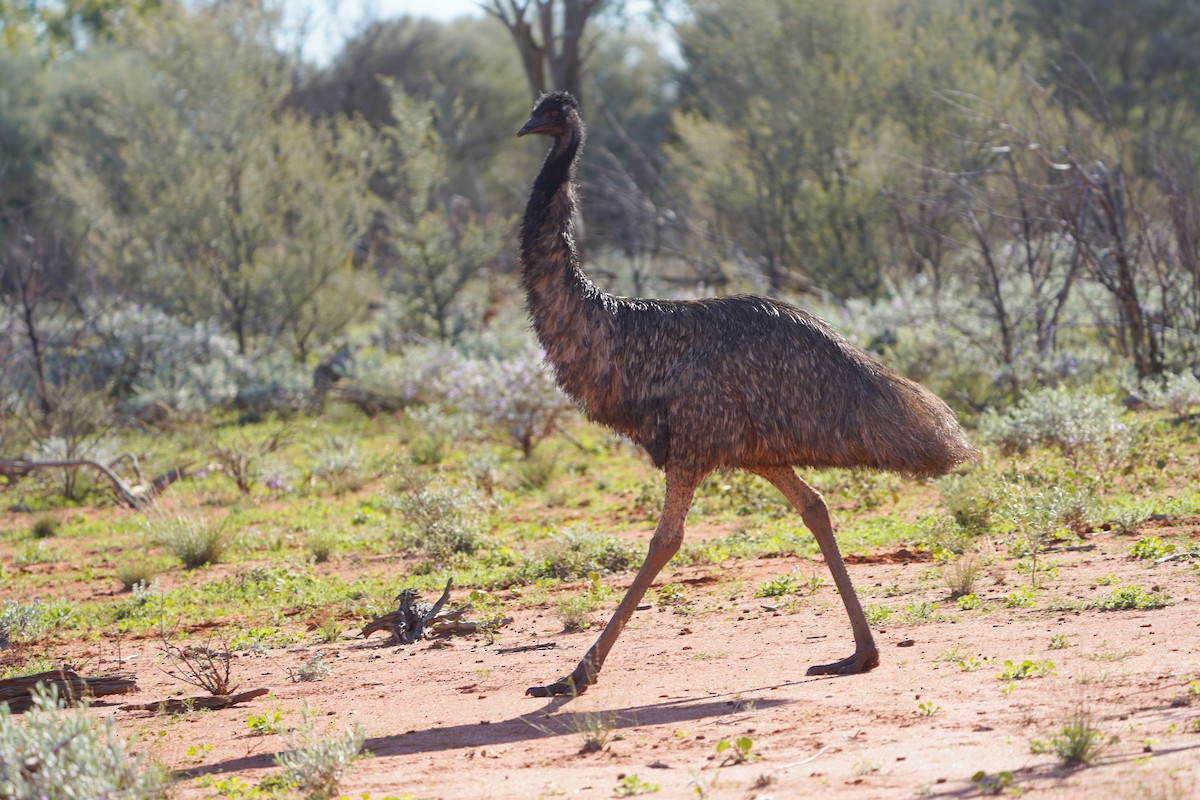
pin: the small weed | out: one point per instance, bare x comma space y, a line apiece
971, 663
1059, 642
137, 571
575, 613
595, 729
776, 587
968, 602
738, 751
877, 615
194, 540
208, 668
928, 709
314, 669
329, 631
265, 723
992, 784
1132, 597
1021, 598
1105, 580
1150, 547
921, 613
673, 595
1025, 669
632, 785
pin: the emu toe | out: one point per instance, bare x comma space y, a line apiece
859, 662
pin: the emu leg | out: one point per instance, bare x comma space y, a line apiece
668, 536
811, 506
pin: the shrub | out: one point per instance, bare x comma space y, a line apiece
578, 552
1079, 423
517, 394
317, 764
338, 462
60, 752
321, 544
1176, 392
22, 621
443, 520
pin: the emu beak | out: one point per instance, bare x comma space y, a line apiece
532, 125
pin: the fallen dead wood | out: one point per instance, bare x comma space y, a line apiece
1177, 557
413, 620
177, 705
525, 648
18, 692
138, 495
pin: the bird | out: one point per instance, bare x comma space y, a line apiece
725, 383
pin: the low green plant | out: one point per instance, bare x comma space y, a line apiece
739, 751
674, 596
921, 613
970, 663
631, 786
57, 752
877, 614
576, 613
317, 763
776, 587
929, 709
1150, 547
315, 668
443, 520
1023, 670
996, 784
595, 729
1132, 597
1020, 598
265, 723
1077, 742
969, 602
1059, 642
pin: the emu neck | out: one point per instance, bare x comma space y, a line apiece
558, 295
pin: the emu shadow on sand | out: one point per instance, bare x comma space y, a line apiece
741, 382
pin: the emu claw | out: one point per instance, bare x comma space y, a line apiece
859, 662
564, 687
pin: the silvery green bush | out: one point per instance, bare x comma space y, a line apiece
53, 752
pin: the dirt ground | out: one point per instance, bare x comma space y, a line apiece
450, 719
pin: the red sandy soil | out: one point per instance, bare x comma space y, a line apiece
450, 720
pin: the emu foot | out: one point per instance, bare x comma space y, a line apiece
861, 661
572, 685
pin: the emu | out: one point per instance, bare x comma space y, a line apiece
739, 382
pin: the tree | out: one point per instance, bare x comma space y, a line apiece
553, 54
430, 250
775, 142
194, 174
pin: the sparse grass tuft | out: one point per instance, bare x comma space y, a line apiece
960, 574
194, 540
1077, 742
44, 527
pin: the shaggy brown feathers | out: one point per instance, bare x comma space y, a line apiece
730, 382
